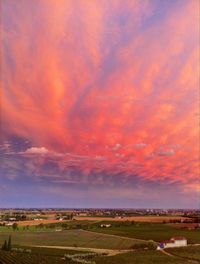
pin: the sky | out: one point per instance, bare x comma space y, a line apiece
99, 103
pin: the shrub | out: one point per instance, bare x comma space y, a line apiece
81, 258
151, 245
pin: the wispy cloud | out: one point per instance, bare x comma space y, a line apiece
103, 102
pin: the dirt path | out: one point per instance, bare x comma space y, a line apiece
111, 235
109, 252
166, 253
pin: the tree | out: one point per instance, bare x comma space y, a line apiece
9, 246
152, 244
41, 225
14, 226
71, 216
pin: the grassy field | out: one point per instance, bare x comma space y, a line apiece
148, 231
140, 257
74, 237
192, 252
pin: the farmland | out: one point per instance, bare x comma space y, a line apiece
77, 238
152, 219
23, 258
122, 239
69, 231
35, 226
192, 252
144, 257
38, 255
34, 222
148, 231
139, 230
55, 256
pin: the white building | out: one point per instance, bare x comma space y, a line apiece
179, 241
105, 225
173, 242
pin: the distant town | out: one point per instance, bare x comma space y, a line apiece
9, 216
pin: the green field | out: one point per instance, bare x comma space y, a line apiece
147, 231
192, 252
73, 237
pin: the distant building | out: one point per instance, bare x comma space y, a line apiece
105, 225
12, 219
83, 214
173, 242
9, 224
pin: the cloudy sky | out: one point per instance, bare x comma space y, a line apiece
99, 103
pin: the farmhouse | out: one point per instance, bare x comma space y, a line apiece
173, 242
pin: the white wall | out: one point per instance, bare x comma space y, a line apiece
177, 243
180, 243
168, 245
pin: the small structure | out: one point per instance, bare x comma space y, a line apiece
12, 219
173, 242
105, 225
8, 224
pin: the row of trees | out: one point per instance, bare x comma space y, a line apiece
18, 217
14, 226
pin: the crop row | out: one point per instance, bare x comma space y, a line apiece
24, 258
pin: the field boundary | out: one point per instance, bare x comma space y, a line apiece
124, 237
108, 252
